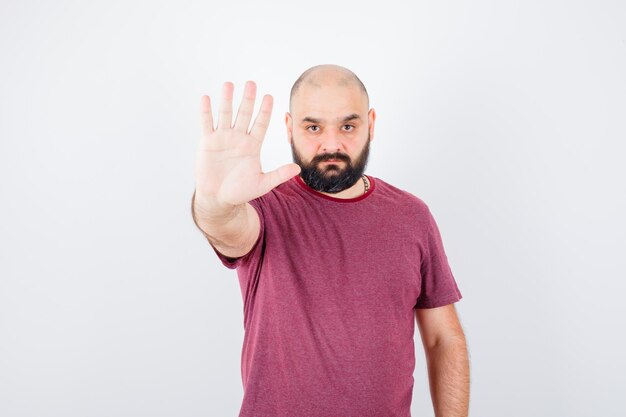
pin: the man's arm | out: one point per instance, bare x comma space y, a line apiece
232, 230
447, 359
228, 172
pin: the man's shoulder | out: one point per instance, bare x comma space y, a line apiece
399, 195
405, 205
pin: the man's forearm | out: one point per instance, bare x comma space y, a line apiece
448, 374
220, 226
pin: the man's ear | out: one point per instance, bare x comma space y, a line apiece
371, 116
289, 125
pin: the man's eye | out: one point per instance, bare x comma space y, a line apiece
313, 126
350, 126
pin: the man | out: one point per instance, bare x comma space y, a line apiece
333, 264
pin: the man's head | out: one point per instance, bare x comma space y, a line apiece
328, 119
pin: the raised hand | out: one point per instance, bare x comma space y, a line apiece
228, 161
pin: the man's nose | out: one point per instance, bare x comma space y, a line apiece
331, 141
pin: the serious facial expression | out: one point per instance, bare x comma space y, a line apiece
330, 135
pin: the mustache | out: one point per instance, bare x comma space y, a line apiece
328, 156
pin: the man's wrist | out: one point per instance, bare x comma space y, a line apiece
212, 211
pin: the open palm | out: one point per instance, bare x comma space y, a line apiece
228, 161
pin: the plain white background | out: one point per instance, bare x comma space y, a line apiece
506, 117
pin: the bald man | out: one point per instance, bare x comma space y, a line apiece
335, 266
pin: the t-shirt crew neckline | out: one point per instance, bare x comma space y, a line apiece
300, 181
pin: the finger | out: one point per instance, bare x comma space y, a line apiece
226, 107
206, 115
276, 177
247, 106
262, 120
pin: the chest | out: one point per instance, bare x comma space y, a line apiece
342, 261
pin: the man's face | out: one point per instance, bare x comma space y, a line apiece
329, 132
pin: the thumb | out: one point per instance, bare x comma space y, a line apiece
278, 176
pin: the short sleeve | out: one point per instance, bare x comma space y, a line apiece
438, 286
233, 263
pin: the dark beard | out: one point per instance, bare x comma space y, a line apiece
332, 178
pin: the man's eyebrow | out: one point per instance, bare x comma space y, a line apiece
352, 116
311, 119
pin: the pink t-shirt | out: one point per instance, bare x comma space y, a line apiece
329, 292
